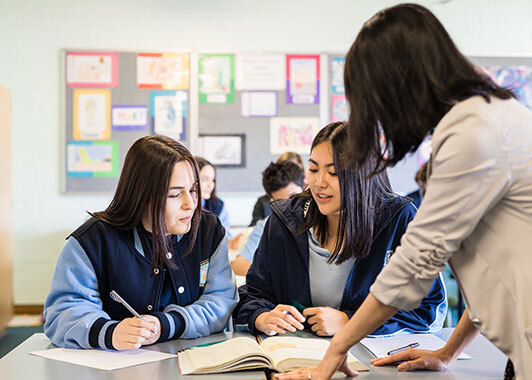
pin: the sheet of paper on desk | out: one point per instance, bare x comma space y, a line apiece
381, 346
106, 360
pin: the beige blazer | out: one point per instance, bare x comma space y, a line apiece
476, 214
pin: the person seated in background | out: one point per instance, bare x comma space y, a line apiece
262, 208
211, 202
322, 249
145, 247
280, 181
421, 180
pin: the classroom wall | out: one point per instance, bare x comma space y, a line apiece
32, 32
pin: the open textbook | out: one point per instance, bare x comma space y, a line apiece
381, 347
278, 353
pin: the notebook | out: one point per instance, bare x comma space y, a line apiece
277, 353
380, 347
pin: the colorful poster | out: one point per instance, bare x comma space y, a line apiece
167, 71
90, 69
339, 109
168, 110
516, 78
92, 158
337, 76
216, 78
260, 72
292, 134
302, 79
92, 120
129, 117
259, 103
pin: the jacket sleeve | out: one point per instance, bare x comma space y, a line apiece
73, 309
256, 295
430, 314
253, 241
224, 219
470, 174
211, 311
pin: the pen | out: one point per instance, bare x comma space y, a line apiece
404, 348
207, 344
117, 298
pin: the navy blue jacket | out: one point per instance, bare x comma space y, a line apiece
279, 272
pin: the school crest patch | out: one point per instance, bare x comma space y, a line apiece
204, 269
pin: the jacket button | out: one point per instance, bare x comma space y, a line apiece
168, 255
150, 307
156, 271
180, 289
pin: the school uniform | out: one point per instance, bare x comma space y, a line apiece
279, 273
193, 299
217, 207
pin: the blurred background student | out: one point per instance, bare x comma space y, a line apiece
262, 208
421, 180
280, 180
210, 200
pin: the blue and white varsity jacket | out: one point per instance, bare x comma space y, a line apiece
194, 300
279, 272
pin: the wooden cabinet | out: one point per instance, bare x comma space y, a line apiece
6, 213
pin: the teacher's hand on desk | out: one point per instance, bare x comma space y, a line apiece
413, 359
321, 372
133, 332
280, 319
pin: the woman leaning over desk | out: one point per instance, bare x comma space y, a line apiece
155, 248
477, 211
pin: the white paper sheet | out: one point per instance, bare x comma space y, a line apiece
259, 103
381, 346
260, 72
101, 359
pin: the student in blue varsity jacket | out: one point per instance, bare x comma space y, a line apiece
322, 249
155, 247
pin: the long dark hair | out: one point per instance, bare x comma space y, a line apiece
143, 187
361, 199
201, 163
402, 75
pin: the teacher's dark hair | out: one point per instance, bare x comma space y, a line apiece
361, 198
402, 75
143, 189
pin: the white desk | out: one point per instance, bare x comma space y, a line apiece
487, 363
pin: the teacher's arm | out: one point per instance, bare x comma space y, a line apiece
440, 359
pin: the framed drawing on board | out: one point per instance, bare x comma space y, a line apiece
227, 150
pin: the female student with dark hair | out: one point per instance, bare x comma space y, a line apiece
477, 210
323, 249
155, 248
211, 202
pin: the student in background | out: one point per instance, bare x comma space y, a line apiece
144, 247
211, 202
323, 249
421, 180
262, 208
280, 181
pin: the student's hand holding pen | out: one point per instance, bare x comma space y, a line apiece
280, 319
133, 332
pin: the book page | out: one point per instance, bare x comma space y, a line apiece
290, 353
222, 356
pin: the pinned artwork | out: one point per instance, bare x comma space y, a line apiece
302, 79
216, 78
167, 71
92, 110
92, 158
129, 117
292, 134
91, 69
168, 112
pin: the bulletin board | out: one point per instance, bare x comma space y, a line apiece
110, 100
261, 103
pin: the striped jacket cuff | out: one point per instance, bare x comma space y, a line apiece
172, 325
101, 333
